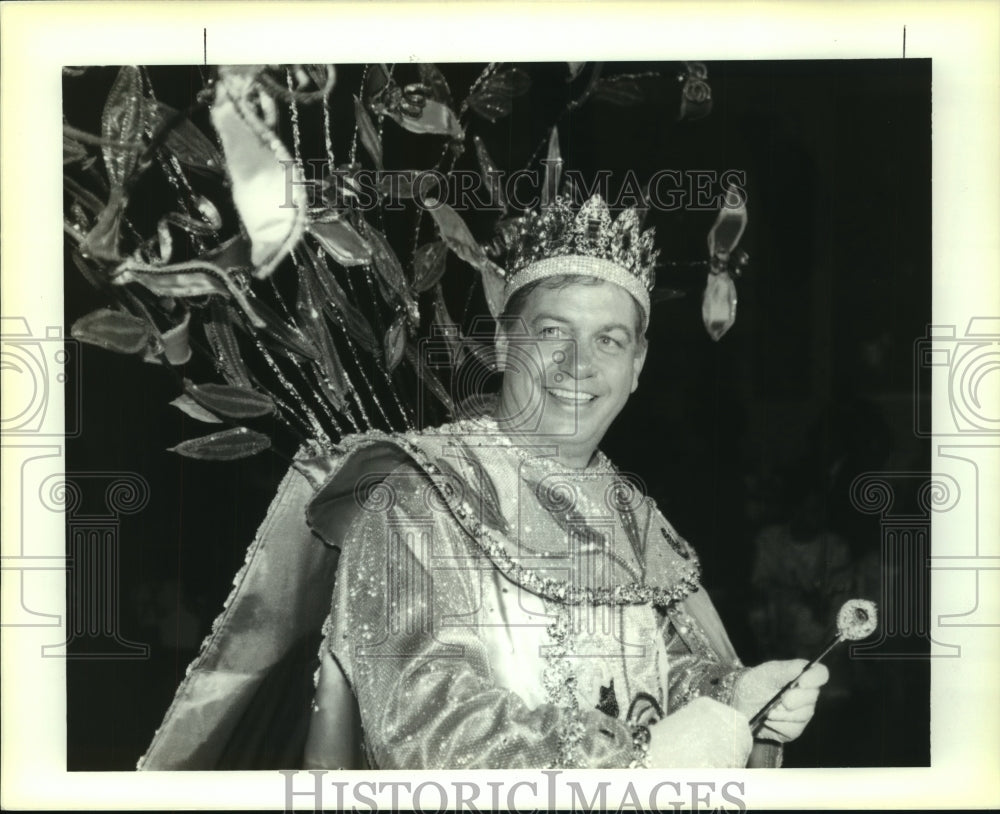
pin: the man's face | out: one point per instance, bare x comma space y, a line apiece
566, 380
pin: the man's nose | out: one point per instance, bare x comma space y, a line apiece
579, 359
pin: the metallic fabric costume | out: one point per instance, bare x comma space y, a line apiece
491, 609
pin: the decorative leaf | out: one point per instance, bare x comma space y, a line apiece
434, 117
73, 150
206, 275
90, 275
696, 69
283, 333
101, 242
341, 311
339, 240
593, 79
484, 352
728, 227
81, 196
429, 379
125, 116
493, 99
368, 134
232, 402
112, 330
718, 304
228, 445
493, 288
333, 379
174, 344
459, 239
226, 349
619, 90
431, 76
553, 169
446, 328
339, 307
231, 255
490, 172
323, 77
193, 279
696, 95
398, 185
395, 343
429, 264
190, 407
376, 78
209, 213
391, 279
268, 187
506, 233
76, 220
165, 242
191, 147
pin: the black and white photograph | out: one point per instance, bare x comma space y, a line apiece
432, 417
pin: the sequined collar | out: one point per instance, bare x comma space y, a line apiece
679, 577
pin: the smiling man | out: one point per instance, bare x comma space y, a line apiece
504, 597
590, 349
509, 599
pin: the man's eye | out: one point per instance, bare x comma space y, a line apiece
550, 331
610, 342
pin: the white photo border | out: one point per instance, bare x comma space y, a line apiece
961, 38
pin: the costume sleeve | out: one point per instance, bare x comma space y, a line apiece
403, 626
696, 670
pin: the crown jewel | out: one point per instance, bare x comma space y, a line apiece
560, 240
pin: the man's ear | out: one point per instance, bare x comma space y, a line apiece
637, 363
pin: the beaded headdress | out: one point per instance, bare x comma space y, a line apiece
560, 240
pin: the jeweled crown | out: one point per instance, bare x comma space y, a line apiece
559, 239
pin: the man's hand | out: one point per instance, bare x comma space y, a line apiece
703, 734
789, 718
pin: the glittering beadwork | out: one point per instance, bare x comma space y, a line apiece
644, 711
678, 545
640, 745
714, 678
558, 240
560, 686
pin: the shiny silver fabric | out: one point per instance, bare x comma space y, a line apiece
447, 644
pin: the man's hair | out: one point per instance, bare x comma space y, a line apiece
516, 304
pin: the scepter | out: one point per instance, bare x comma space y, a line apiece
856, 619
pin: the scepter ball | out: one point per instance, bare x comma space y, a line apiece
857, 619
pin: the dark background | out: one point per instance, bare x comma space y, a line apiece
813, 385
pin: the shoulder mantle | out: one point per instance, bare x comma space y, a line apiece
349, 476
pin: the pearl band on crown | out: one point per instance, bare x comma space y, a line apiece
586, 267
